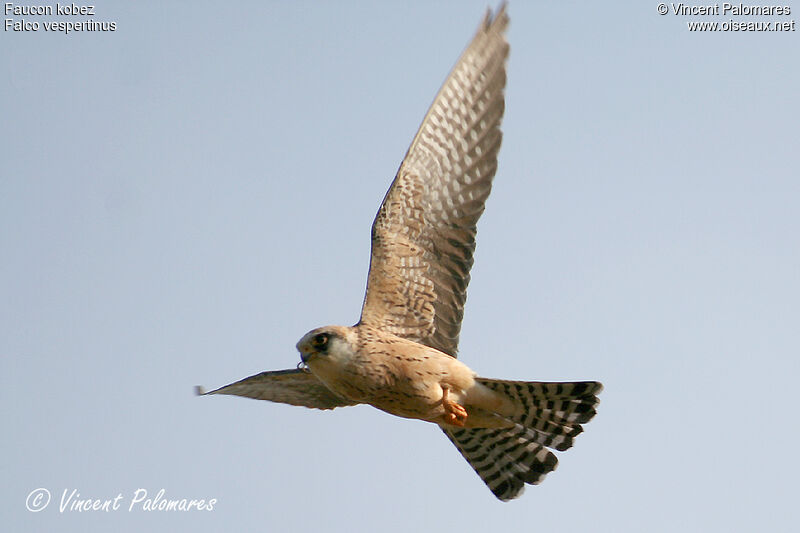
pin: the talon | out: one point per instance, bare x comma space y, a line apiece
454, 413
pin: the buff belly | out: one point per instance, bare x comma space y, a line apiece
410, 387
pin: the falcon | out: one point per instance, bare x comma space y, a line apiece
401, 355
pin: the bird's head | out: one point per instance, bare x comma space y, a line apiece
331, 343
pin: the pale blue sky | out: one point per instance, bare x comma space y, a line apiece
182, 199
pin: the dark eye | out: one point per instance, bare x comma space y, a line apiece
320, 341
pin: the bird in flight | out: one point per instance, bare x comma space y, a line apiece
401, 355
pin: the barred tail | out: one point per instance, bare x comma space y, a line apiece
545, 415
505, 459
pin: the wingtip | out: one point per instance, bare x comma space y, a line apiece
199, 390
499, 17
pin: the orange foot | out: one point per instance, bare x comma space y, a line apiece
454, 413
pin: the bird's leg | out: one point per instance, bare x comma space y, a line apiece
454, 413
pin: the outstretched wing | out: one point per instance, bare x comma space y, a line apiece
423, 237
295, 387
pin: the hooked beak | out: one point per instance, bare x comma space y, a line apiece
306, 354
303, 364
